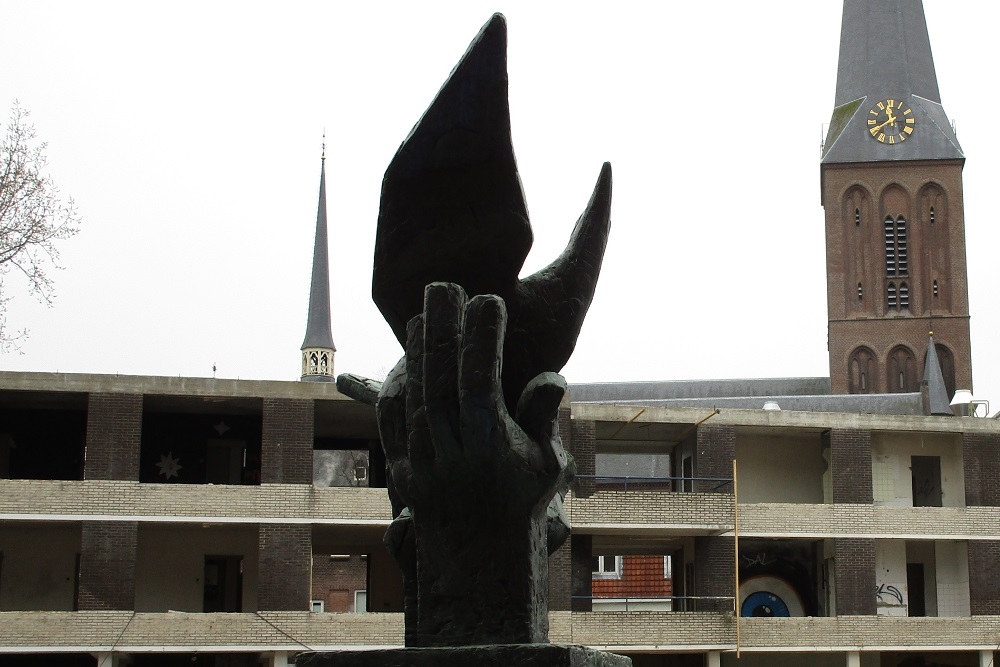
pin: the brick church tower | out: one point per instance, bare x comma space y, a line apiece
891, 182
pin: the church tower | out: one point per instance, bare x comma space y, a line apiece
317, 348
891, 183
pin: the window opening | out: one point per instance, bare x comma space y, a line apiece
607, 567
864, 381
895, 247
901, 246
857, 217
890, 248
935, 288
904, 295
891, 296
859, 292
932, 215
926, 480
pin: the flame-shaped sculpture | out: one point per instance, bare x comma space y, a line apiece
453, 210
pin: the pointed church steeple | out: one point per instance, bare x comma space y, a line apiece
317, 347
891, 184
888, 106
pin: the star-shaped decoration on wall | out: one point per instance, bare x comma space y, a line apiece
169, 466
221, 428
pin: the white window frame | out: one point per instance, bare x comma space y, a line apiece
603, 573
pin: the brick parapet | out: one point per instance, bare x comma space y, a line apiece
851, 465
284, 579
119, 499
289, 630
981, 467
287, 441
114, 436
647, 508
854, 576
715, 451
107, 565
854, 520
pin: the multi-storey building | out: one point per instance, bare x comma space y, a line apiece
819, 521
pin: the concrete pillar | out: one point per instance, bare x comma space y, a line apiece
713, 659
986, 658
853, 659
110, 659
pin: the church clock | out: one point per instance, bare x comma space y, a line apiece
891, 122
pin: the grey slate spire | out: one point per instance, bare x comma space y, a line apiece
317, 347
885, 53
937, 402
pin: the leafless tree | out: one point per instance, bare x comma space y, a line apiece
33, 217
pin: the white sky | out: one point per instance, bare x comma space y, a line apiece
189, 135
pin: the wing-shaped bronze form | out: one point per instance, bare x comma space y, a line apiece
453, 210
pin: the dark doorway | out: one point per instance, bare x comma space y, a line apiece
916, 605
223, 583
926, 471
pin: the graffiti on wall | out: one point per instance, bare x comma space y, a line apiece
886, 594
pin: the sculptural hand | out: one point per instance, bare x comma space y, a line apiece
476, 480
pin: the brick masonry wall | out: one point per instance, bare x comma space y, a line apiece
583, 447
851, 463
984, 577
335, 581
561, 577
114, 433
107, 565
981, 463
287, 441
285, 557
854, 574
715, 451
714, 572
581, 554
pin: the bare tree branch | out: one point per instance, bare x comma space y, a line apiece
33, 217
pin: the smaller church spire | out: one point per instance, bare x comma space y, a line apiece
936, 398
317, 347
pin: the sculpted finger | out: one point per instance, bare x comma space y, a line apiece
444, 315
481, 397
418, 443
538, 417
390, 409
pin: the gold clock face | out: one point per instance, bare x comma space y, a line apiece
891, 122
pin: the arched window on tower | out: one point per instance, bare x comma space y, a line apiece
313, 363
890, 247
891, 301
904, 296
324, 362
902, 371
860, 369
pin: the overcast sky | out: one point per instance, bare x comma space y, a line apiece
189, 135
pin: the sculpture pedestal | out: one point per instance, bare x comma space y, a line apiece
496, 655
